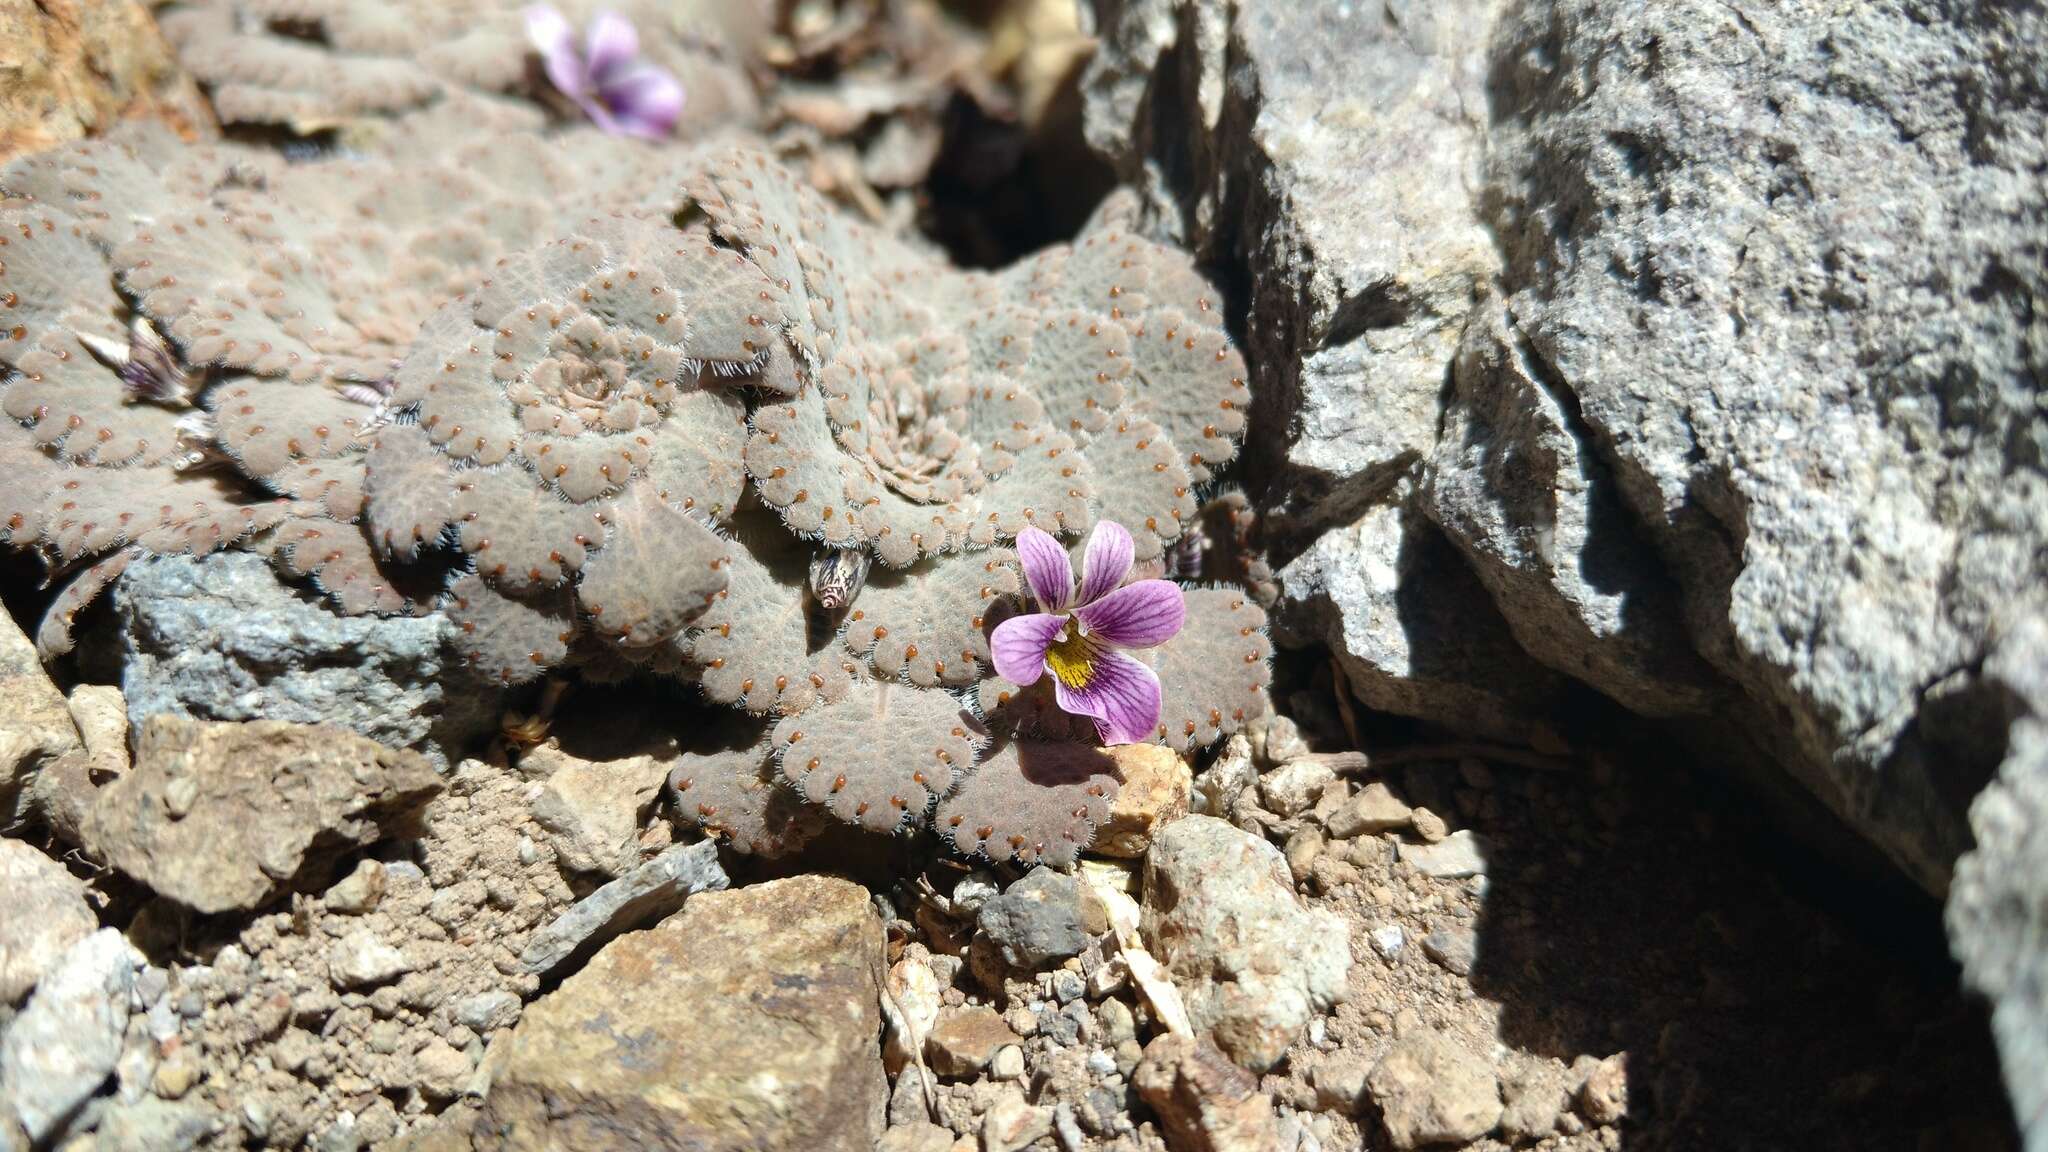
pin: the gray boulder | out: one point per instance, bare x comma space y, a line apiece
1737, 420
1779, 268
222, 638
1998, 902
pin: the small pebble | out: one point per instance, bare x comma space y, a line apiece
1429, 826
1008, 1063
1067, 986
1301, 851
1387, 940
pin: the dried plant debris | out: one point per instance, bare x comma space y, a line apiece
623, 410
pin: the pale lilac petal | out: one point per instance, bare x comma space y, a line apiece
613, 44
1046, 569
645, 100
1107, 560
1017, 646
1123, 696
555, 40
1137, 616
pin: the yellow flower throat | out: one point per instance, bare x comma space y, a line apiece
1072, 657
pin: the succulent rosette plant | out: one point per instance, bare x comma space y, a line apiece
618, 410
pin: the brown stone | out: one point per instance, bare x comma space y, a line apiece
965, 1039
1431, 1090
748, 1020
223, 816
1205, 1102
77, 67
1157, 788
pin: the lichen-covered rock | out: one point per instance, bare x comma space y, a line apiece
751, 1019
1255, 966
1998, 904
46, 915
221, 816
223, 639
1845, 547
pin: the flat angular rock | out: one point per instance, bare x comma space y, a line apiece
226, 816
1372, 811
1458, 855
224, 639
964, 1040
45, 914
591, 809
1414, 630
1255, 965
648, 892
750, 1020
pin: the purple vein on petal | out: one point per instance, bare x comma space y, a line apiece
1124, 698
1139, 616
1046, 569
1106, 561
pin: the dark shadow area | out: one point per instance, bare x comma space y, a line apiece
1000, 190
1764, 998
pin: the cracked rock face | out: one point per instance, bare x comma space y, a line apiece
1599, 307
1335, 154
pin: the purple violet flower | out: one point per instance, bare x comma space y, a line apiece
623, 94
1078, 635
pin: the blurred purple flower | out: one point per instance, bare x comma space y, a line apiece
623, 94
1079, 634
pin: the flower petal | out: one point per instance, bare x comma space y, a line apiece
644, 99
1137, 616
1017, 646
1122, 695
1046, 569
555, 40
612, 44
1107, 560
